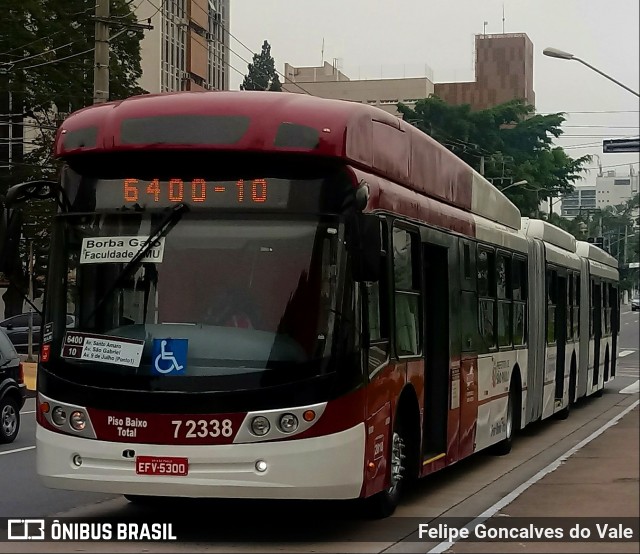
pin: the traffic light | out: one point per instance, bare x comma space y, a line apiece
598, 241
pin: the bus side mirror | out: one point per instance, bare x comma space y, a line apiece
366, 248
31, 190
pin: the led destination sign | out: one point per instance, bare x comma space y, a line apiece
254, 193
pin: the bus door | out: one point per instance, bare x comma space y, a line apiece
437, 356
561, 333
596, 327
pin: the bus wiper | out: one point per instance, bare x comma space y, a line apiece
161, 230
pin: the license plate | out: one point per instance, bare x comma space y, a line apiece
154, 465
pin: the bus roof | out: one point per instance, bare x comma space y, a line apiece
591, 251
363, 136
537, 228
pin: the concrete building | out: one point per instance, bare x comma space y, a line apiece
581, 201
188, 47
329, 82
613, 189
504, 71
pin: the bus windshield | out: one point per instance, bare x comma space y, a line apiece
244, 302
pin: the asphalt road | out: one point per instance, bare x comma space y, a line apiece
465, 489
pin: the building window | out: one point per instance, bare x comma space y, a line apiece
174, 44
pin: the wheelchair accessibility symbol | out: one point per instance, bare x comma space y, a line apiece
169, 356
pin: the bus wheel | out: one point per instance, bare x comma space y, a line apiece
513, 422
9, 419
384, 503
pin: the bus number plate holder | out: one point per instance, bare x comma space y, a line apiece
167, 465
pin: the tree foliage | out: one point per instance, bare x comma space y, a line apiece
262, 74
46, 65
508, 143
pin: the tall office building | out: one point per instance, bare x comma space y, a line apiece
504, 71
188, 47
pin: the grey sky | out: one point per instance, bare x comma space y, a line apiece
375, 38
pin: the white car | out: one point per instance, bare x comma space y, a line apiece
635, 303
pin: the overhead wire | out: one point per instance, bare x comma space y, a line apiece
14, 62
226, 30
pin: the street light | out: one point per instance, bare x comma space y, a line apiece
517, 184
555, 53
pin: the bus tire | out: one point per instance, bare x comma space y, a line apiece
513, 419
384, 503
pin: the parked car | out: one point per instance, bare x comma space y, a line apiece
12, 390
17, 329
635, 303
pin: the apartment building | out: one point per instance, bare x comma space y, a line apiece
188, 47
327, 81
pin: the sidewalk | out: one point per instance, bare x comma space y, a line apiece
601, 480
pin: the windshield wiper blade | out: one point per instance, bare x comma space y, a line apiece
161, 230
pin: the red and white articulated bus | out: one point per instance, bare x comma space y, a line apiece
281, 296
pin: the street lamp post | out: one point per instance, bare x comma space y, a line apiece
555, 53
517, 184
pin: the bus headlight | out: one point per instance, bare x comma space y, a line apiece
58, 415
288, 423
260, 426
78, 420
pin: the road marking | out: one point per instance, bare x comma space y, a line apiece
17, 450
625, 353
509, 498
631, 389
29, 412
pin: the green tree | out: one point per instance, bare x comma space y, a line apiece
46, 69
507, 143
262, 73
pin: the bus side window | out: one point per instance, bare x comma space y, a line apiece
519, 288
552, 300
486, 268
407, 284
378, 311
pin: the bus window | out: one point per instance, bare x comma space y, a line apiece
377, 313
503, 283
552, 298
519, 295
407, 292
486, 296
469, 316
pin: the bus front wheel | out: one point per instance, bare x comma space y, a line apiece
401, 459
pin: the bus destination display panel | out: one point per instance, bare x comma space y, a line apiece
251, 194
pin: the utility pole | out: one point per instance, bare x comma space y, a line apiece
101, 54
30, 330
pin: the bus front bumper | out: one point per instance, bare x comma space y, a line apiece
327, 467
